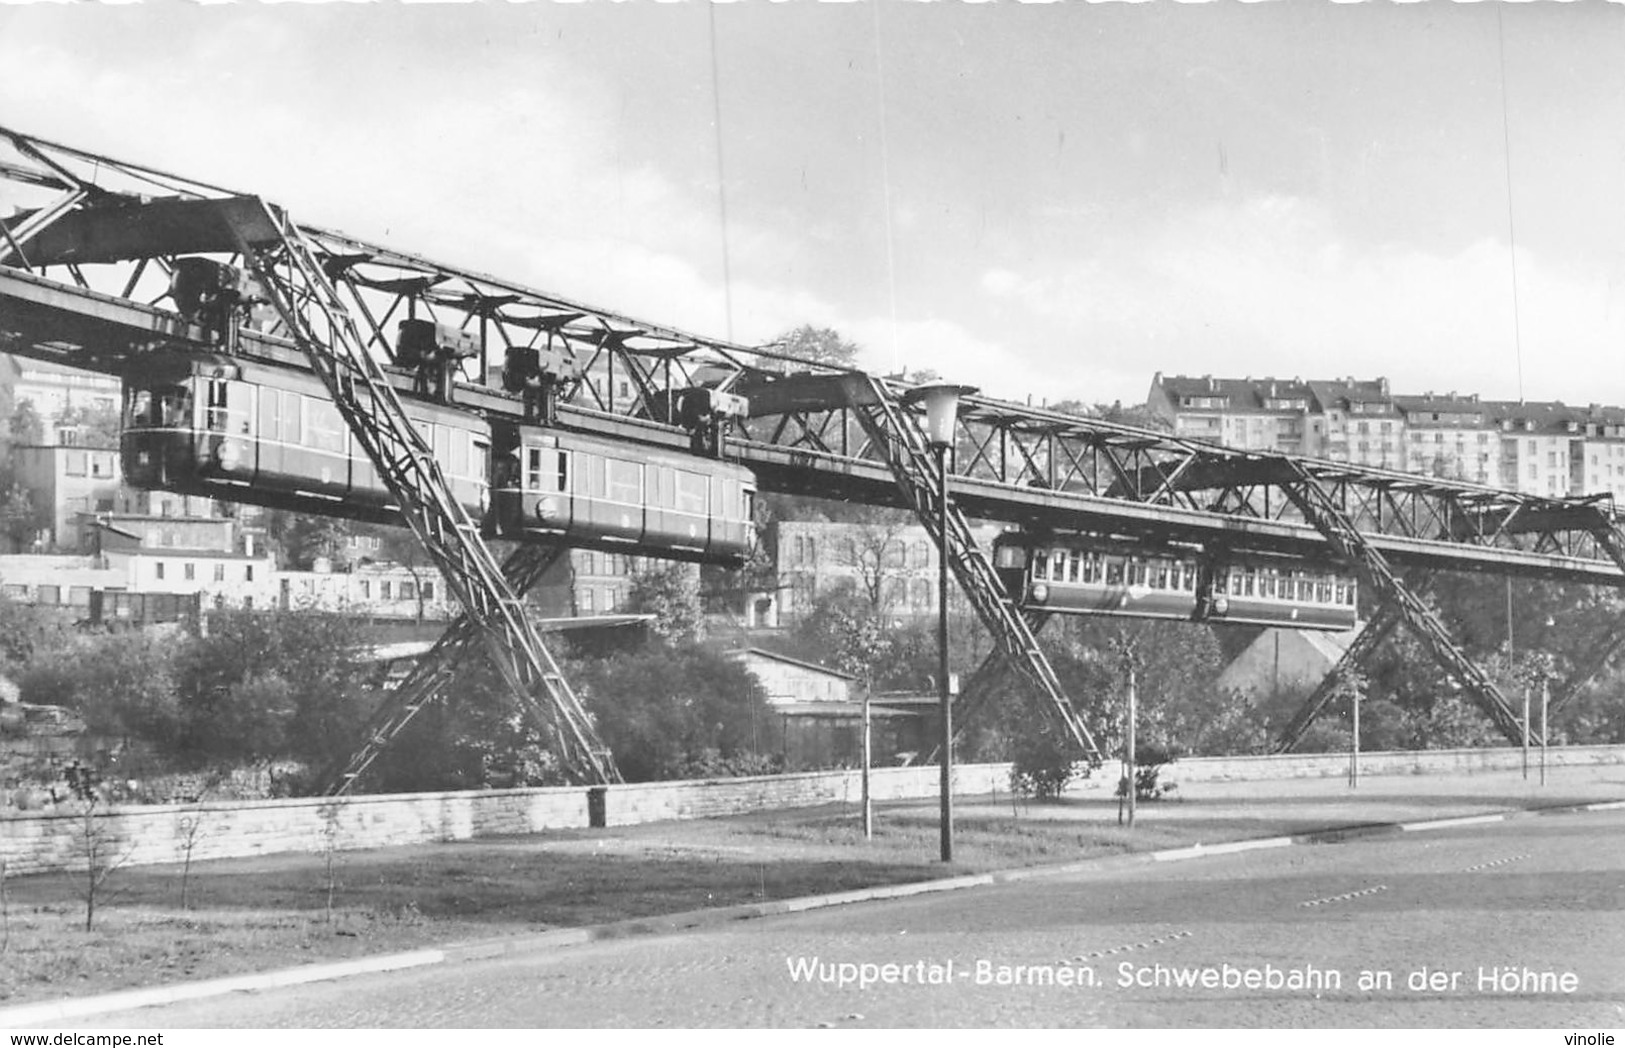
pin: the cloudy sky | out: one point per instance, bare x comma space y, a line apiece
1054, 200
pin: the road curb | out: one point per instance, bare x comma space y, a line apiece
78, 1008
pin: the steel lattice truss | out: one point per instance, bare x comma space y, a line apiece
85, 262
919, 481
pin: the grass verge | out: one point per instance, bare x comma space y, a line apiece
272, 912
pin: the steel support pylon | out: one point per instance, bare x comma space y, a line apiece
898, 437
987, 679
433, 674
1321, 512
1372, 634
1608, 537
289, 270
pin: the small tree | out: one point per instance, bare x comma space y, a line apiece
97, 846
26, 426
5, 910
189, 827
330, 811
21, 518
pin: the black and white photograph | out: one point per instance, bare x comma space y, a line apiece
863, 515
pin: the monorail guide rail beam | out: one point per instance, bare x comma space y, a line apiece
1319, 509
102, 218
287, 266
904, 448
434, 673
1371, 635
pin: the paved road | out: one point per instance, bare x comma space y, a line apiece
1537, 901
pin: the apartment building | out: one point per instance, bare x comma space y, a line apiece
1536, 447
1451, 436
1603, 469
892, 564
1361, 422
1258, 414
71, 481
54, 389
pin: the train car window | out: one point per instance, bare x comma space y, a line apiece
1008, 557
690, 492
592, 474
461, 444
662, 492
1235, 584
1306, 589
1041, 564
440, 440
270, 414
625, 481
1159, 577
535, 473
324, 426
1323, 592
1074, 566
1114, 571
138, 413
160, 406
747, 504
1353, 592
1057, 565
481, 454
291, 416
1249, 583
216, 417
1341, 592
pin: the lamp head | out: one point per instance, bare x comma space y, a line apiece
941, 401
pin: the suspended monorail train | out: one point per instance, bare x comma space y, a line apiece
242, 431
1092, 575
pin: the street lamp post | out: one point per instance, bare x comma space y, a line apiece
941, 409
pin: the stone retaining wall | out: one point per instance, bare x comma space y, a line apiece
42, 842
37, 843
1409, 762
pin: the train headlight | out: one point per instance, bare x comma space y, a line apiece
548, 507
1040, 592
1221, 604
229, 454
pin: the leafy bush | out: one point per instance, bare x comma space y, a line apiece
1149, 761
662, 709
1044, 762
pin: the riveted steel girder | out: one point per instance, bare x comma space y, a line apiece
1354, 550
898, 432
